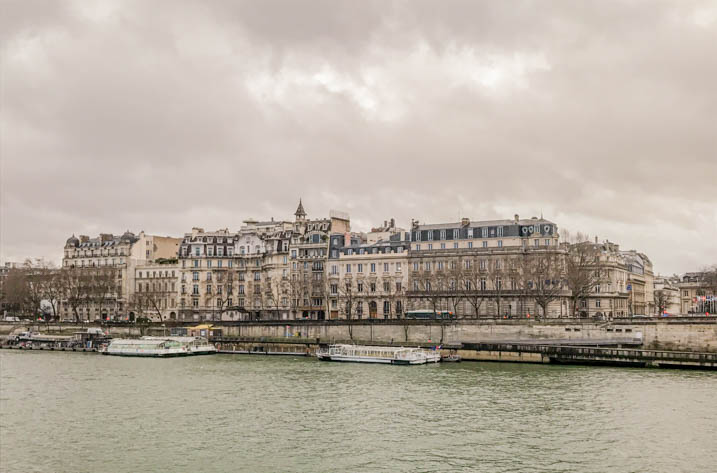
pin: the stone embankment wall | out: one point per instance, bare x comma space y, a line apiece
660, 335
673, 334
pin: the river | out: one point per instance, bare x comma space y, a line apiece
71, 412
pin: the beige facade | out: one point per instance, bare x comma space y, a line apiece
667, 293
641, 284
696, 295
155, 291
367, 280
478, 268
115, 255
206, 275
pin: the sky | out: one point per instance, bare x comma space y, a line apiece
164, 115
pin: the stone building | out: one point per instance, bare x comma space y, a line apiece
667, 292
697, 293
156, 290
640, 283
110, 256
309, 251
368, 277
609, 297
480, 268
206, 275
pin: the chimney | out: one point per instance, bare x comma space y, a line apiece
516, 218
465, 222
393, 223
84, 238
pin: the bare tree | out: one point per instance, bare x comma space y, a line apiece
497, 275
545, 274
581, 271
473, 285
662, 299
452, 285
103, 287
76, 287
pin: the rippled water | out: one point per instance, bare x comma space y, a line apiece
69, 412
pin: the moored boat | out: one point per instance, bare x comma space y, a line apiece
161, 348
194, 345
377, 354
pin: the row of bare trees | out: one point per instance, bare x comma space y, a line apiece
541, 276
36, 289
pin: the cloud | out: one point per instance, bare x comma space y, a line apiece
166, 115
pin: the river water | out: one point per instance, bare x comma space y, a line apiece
71, 412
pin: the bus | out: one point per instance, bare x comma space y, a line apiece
430, 314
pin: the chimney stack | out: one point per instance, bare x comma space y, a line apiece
516, 218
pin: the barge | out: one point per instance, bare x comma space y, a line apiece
375, 354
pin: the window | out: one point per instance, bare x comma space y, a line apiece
196, 251
359, 287
385, 267
455, 233
196, 263
219, 264
547, 242
334, 289
440, 266
195, 302
241, 289
195, 289
372, 287
455, 245
195, 276
597, 303
386, 286
209, 276
485, 244
257, 276
210, 251
536, 242
500, 231
398, 267
348, 268
470, 244
500, 243
484, 232
418, 247
220, 251
443, 234
293, 253
443, 246
373, 267
430, 246
209, 263
386, 307
360, 268
482, 265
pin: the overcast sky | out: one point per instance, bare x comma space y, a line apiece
160, 116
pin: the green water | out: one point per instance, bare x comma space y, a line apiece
69, 412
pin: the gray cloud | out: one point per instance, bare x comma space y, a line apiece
165, 115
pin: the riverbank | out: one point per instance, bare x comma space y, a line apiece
675, 334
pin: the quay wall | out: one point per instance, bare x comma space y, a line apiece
657, 334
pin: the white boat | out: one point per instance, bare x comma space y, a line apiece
194, 345
372, 354
145, 347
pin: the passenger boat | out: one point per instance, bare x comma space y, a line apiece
371, 354
194, 345
159, 347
